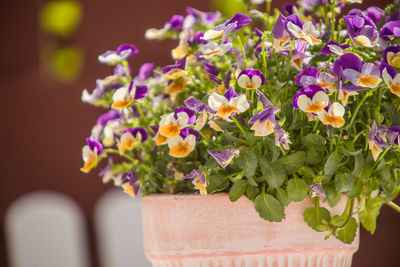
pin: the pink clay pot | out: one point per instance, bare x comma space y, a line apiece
194, 230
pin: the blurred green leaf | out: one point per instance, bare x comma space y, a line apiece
269, 208
229, 7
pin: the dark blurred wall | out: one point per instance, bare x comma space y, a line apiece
44, 123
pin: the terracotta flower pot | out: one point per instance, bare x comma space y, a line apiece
194, 230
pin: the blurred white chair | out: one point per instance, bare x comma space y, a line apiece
118, 225
46, 229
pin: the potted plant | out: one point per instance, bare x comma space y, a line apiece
293, 113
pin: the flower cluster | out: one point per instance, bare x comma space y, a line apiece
307, 105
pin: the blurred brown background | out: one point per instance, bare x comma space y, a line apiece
45, 123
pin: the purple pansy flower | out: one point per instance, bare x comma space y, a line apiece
145, 71
107, 174
228, 104
184, 143
362, 30
376, 140
280, 34
374, 13
199, 180
95, 95
311, 99
197, 105
333, 47
104, 118
393, 135
223, 30
188, 111
300, 56
305, 31
132, 183
264, 121
131, 138
311, 75
391, 56
123, 52
392, 79
223, 157
317, 189
347, 61
250, 79
90, 153
281, 137
368, 76
124, 96
390, 30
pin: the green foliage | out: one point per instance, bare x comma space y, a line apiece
247, 161
369, 214
237, 190
348, 232
269, 208
297, 189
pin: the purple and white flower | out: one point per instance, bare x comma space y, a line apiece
123, 52
393, 135
237, 22
228, 104
250, 79
224, 157
311, 99
132, 183
362, 30
280, 34
131, 138
172, 124
391, 56
305, 31
90, 153
183, 144
368, 76
334, 115
107, 174
213, 49
311, 75
377, 140
124, 96
392, 80
333, 47
174, 24
264, 122
317, 189
281, 137
199, 181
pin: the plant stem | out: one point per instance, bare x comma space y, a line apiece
393, 205
114, 151
243, 53
239, 126
290, 56
317, 209
359, 106
333, 4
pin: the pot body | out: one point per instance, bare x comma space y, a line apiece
204, 231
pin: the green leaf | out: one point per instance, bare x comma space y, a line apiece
394, 115
314, 219
370, 213
237, 190
217, 183
330, 166
247, 161
283, 197
313, 156
348, 232
274, 174
344, 182
297, 189
314, 140
291, 163
269, 208
358, 162
356, 190
251, 181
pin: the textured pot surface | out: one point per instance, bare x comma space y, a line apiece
194, 230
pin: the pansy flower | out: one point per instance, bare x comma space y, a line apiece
172, 124
377, 140
124, 96
213, 49
361, 30
145, 72
132, 183
183, 144
282, 137
227, 104
390, 30
90, 153
393, 135
345, 91
305, 31
237, 22
311, 99
334, 115
333, 47
392, 80
123, 52
391, 56
204, 17
107, 174
374, 13
199, 181
201, 108
224, 157
300, 56
174, 24
250, 79
317, 189
131, 138
280, 34
368, 76
264, 121
311, 75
